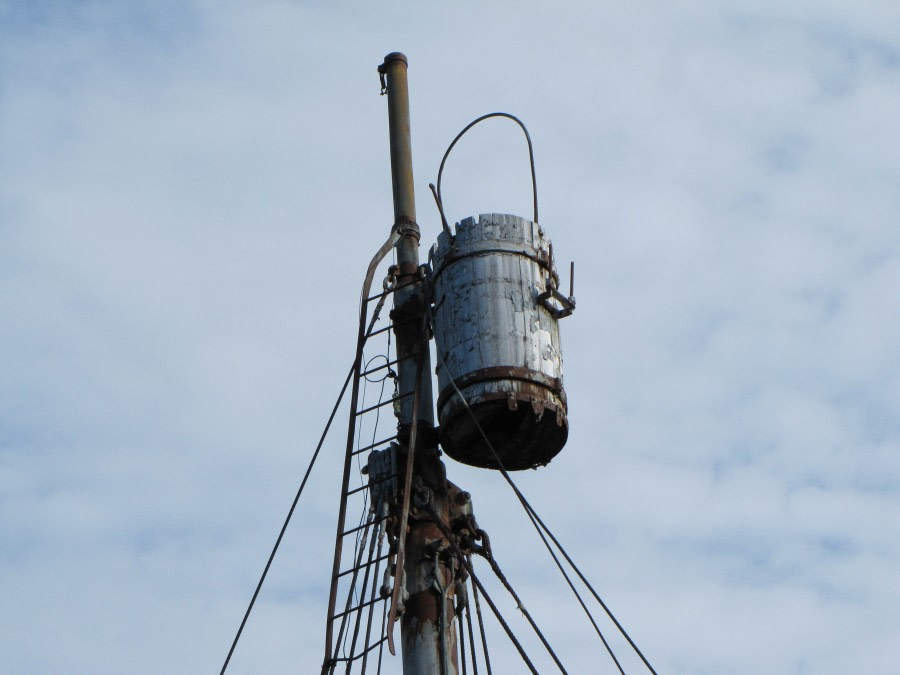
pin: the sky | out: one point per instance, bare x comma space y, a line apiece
190, 193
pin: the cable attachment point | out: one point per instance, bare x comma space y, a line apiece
382, 76
407, 228
390, 281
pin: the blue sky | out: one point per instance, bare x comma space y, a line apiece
190, 192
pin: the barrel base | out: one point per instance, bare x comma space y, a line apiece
523, 434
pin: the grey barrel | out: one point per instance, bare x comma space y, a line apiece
498, 341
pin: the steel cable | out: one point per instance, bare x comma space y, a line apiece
539, 526
503, 580
484, 647
500, 618
467, 563
287, 520
462, 650
468, 611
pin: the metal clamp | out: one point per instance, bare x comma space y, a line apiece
549, 298
408, 228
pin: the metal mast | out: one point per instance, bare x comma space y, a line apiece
427, 626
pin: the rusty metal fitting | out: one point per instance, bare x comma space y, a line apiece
394, 56
408, 228
407, 269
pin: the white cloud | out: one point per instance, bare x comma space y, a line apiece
190, 194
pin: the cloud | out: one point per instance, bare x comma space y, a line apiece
190, 194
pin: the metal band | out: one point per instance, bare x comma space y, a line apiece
496, 373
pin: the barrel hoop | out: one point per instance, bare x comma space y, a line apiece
452, 258
495, 373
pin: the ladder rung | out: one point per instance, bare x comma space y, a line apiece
392, 325
357, 608
364, 565
387, 365
369, 523
392, 290
379, 331
371, 483
375, 445
372, 646
384, 403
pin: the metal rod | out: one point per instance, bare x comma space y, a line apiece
378, 296
374, 561
375, 445
409, 292
358, 528
381, 367
394, 69
383, 403
379, 481
356, 609
423, 638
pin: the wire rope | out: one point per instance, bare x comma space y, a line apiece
467, 563
540, 527
287, 520
593, 592
500, 618
489, 556
468, 611
484, 646
462, 652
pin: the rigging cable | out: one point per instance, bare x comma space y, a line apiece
468, 610
388, 245
462, 648
488, 555
533, 516
287, 520
467, 563
484, 646
477, 583
539, 524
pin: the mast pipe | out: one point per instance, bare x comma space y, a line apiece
427, 626
394, 69
409, 300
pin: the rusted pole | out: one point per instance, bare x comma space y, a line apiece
428, 627
408, 339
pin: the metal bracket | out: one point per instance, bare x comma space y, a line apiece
549, 299
408, 228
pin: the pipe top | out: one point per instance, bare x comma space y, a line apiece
396, 56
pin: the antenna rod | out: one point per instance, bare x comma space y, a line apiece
393, 70
428, 625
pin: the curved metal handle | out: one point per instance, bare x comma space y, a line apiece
437, 192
